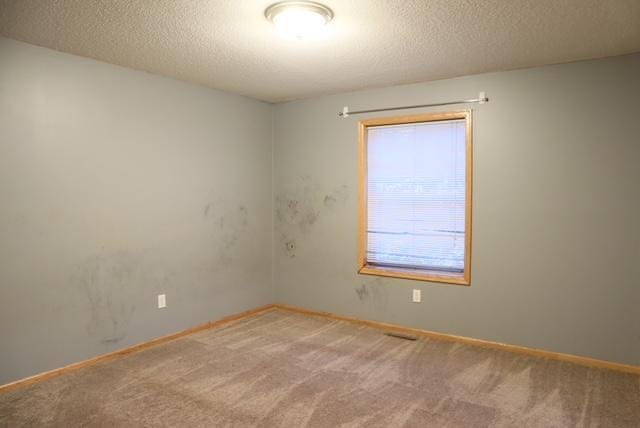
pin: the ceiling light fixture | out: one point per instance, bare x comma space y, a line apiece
299, 19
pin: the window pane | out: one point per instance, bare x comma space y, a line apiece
416, 195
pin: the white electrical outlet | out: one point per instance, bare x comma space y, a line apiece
417, 296
162, 300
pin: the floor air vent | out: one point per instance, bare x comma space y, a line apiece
401, 336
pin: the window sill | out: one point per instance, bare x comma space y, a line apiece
417, 275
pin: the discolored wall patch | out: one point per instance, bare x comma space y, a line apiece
337, 197
362, 292
290, 248
299, 208
228, 223
108, 281
374, 293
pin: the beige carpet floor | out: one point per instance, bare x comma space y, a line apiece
289, 370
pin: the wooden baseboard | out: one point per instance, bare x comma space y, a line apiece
583, 361
131, 349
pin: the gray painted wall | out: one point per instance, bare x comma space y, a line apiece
115, 186
556, 243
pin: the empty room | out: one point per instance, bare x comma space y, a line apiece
343, 213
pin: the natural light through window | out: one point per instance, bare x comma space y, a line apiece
415, 197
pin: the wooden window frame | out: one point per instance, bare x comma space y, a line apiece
406, 273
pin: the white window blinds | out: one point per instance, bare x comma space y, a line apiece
416, 195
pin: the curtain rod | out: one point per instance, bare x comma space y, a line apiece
480, 100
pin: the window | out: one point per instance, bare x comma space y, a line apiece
415, 197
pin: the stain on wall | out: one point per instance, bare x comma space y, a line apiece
290, 248
337, 197
373, 292
362, 292
299, 208
228, 222
106, 281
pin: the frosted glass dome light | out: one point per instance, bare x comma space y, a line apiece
299, 19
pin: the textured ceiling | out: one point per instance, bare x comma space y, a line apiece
227, 44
